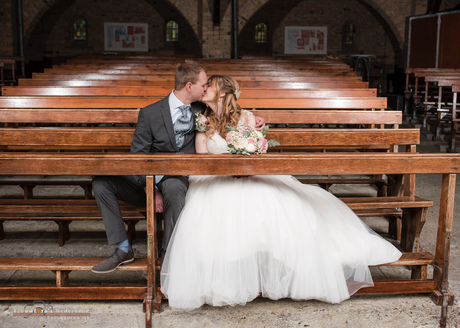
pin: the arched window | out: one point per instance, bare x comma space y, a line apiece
261, 33
172, 31
79, 29
349, 33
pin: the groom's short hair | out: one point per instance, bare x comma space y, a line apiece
187, 71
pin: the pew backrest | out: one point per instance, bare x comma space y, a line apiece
140, 102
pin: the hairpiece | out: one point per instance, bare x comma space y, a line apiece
237, 93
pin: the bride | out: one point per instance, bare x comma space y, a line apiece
239, 237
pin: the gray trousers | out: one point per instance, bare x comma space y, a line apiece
130, 189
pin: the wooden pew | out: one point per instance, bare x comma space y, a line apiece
63, 212
170, 85
11, 63
212, 66
170, 78
103, 138
436, 98
191, 164
161, 68
238, 74
443, 103
143, 91
455, 118
19, 62
168, 61
367, 103
129, 116
419, 74
119, 138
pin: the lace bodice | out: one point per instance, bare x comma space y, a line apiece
217, 145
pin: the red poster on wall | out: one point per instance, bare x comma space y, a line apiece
126, 37
305, 40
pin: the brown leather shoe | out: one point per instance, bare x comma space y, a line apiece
110, 264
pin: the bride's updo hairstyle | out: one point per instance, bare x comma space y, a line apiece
231, 111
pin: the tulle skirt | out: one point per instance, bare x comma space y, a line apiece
237, 238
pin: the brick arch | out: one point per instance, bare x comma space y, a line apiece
392, 11
187, 9
34, 10
182, 13
38, 12
246, 32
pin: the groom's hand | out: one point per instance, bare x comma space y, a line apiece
260, 123
158, 201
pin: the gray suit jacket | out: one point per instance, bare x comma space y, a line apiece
155, 131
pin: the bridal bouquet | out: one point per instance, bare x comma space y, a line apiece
243, 140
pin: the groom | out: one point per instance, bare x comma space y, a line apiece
165, 126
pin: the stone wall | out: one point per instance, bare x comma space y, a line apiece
60, 41
370, 36
54, 18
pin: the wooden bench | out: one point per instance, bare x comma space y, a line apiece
443, 104
455, 84
179, 164
143, 91
419, 74
238, 74
82, 163
157, 68
170, 78
243, 84
366, 103
435, 99
4, 61
63, 212
152, 66
223, 68
19, 62
157, 61
119, 139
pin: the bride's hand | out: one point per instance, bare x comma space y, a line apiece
158, 201
260, 123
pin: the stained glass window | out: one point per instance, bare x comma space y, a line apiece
261, 33
349, 33
172, 31
79, 29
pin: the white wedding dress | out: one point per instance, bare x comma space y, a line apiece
237, 238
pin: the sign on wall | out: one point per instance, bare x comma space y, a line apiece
310, 40
126, 37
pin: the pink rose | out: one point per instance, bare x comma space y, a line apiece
203, 119
252, 141
230, 136
263, 143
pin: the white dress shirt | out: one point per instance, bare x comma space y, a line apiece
174, 104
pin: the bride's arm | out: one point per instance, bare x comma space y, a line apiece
200, 143
252, 121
